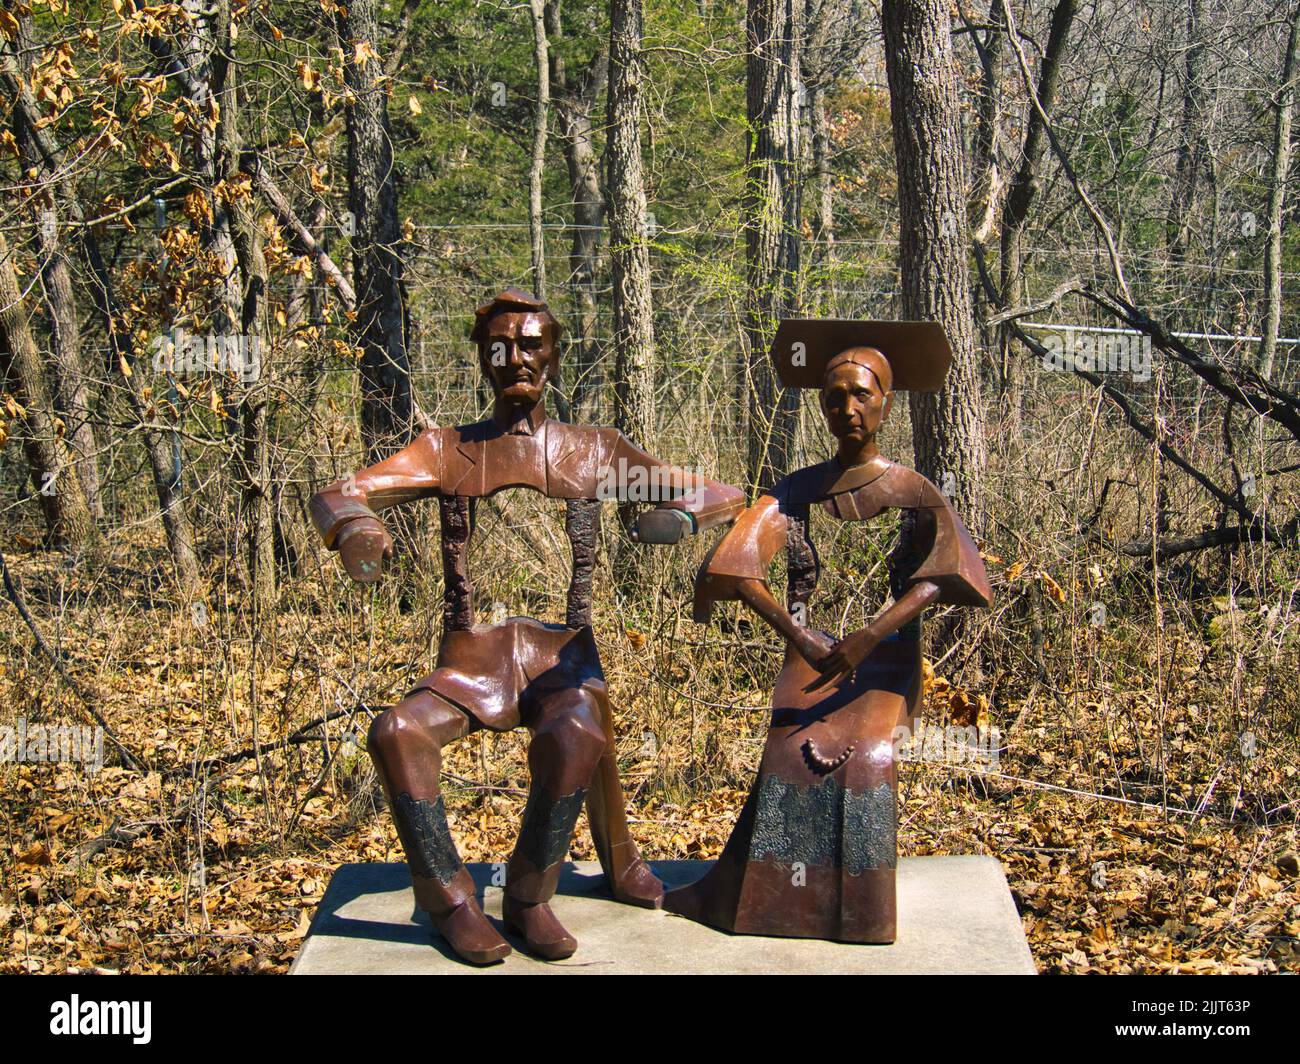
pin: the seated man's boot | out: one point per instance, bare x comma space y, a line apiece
443, 886
630, 879
534, 872
535, 922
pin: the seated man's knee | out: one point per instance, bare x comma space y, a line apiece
573, 724
420, 718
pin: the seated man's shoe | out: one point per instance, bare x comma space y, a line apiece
471, 935
539, 927
637, 885
455, 912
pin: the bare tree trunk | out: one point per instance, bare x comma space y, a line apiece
771, 212
67, 519
1024, 185
387, 405
1277, 201
947, 427
171, 499
541, 116
256, 517
633, 324
1191, 145
180, 539
574, 106
199, 54
824, 231
986, 180
71, 388
629, 251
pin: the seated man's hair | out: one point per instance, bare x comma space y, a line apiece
514, 299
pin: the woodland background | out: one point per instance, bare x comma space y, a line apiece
345, 184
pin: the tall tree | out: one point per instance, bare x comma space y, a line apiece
1027, 177
171, 501
634, 338
387, 405
1193, 146
201, 60
947, 427
833, 44
575, 101
771, 216
1284, 108
255, 523
71, 386
986, 164
67, 519
536, 169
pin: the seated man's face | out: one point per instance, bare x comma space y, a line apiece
517, 355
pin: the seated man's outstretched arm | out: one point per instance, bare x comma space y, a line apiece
346, 513
685, 502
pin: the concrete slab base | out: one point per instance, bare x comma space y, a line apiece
955, 915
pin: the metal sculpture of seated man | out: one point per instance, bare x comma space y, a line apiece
544, 677
814, 851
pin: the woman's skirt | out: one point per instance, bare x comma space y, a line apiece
814, 851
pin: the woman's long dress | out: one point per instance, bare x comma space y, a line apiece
814, 851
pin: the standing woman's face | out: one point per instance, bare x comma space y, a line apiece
854, 403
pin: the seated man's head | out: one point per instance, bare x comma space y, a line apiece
857, 392
518, 345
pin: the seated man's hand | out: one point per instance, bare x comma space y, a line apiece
364, 545
662, 526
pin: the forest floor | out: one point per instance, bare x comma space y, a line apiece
1139, 830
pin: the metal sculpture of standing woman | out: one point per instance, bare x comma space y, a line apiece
814, 851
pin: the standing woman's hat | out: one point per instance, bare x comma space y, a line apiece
917, 351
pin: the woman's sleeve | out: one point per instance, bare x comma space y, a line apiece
948, 556
744, 553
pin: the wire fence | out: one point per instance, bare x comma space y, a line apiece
700, 367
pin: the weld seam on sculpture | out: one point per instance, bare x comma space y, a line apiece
915, 528
422, 827
548, 826
802, 564
581, 523
456, 514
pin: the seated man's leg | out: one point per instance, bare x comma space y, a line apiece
568, 739
406, 744
628, 876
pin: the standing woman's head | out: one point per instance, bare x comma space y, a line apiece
857, 393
